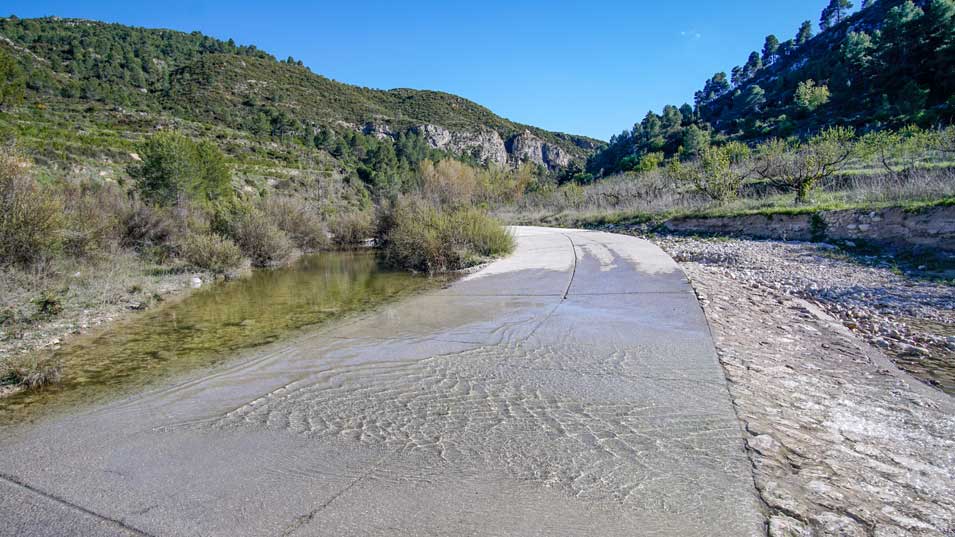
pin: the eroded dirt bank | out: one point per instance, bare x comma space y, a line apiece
842, 442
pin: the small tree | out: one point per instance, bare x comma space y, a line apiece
753, 64
898, 151
809, 96
695, 140
12, 81
175, 169
798, 168
770, 49
804, 34
721, 171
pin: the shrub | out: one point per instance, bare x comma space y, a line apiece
92, 214
210, 251
48, 305
809, 96
796, 167
143, 227
419, 236
175, 169
721, 171
29, 372
30, 217
302, 226
449, 182
259, 239
351, 228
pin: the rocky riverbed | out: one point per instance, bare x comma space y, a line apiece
911, 320
842, 442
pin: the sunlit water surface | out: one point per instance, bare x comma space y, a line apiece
211, 325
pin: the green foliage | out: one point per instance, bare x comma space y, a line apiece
721, 171
175, 169
48, 305
205, 85
650, 161
809, 96
12, 80
857, 51
694, 141
887, 66
422, 237
804, 34
899, 152
797, 167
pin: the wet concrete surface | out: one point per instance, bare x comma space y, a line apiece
569, 389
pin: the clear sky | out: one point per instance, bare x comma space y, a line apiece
589, 68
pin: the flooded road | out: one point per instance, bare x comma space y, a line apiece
569, 389
212, 325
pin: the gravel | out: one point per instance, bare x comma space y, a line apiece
842, 442
912, 320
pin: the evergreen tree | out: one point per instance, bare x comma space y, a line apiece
736, 76
826, 18
672, 118
770, 49
175, 169
804, 34
753, 64
12, 81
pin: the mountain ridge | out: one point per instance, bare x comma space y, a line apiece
199, 78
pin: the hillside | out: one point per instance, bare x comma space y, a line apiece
887, 65
95, 88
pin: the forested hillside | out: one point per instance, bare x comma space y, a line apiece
887, 65
91, 89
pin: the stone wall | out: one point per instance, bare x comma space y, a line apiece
931, 228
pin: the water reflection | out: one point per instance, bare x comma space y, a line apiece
214, 323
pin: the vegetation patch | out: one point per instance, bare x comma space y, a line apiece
419, 236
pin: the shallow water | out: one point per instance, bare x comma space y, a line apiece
211, 325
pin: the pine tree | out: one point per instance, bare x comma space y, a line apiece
753, 64
804, 34
770, 49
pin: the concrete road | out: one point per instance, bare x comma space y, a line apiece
570, 389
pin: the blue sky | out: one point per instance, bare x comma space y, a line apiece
582, 67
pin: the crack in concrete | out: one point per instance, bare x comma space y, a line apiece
46, 495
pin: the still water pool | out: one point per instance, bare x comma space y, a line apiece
212, 324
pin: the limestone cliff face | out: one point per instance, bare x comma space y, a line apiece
485, 145
525, 147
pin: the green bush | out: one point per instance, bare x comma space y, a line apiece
175, 169
30, 217
419, 236
302, 225
48, 305
259, 239
210, 251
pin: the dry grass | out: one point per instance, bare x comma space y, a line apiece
655, 194
350, 229
210, 251
419, 236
